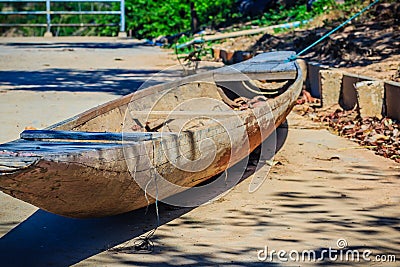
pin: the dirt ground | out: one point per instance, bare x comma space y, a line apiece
322, 188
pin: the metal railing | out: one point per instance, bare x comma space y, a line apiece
48, 12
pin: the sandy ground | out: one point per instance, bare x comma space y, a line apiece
324, 187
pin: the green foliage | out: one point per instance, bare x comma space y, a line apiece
296, 13
282, 15
152, 18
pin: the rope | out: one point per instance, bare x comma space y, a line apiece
144, 244
294, 57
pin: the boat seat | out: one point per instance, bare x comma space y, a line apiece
95, 136
257, 70
176, 114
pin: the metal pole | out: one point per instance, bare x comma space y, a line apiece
48, 20
122, 32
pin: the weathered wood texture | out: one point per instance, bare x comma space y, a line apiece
75, 135
9, 163
94, 179
279, 70
271, 66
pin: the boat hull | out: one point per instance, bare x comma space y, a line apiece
130, 175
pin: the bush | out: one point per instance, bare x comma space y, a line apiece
152, 18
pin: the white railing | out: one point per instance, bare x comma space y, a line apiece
48, 12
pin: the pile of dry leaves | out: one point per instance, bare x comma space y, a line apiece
380, 135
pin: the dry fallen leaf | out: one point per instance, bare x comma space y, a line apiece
30, 128
380, 135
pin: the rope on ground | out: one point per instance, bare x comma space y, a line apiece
294, 57
144, 244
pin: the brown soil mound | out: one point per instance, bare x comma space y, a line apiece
373, 38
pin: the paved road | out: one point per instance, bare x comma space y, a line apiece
43, 81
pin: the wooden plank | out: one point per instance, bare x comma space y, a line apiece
157, 114
54, 147
234, 34
234, 76
16, 164
220, 36
6, 169
271, 70
277, 57
75, 135
17, 159
12, 163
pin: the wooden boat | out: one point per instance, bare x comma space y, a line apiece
154, 143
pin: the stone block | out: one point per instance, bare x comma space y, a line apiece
331, 84
370, 98
392, 95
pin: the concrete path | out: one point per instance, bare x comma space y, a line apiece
43, 81
324, 188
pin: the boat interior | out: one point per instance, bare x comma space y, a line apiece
143, 115
180, 108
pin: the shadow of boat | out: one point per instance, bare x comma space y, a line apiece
46, 239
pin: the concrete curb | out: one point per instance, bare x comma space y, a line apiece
372, 96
